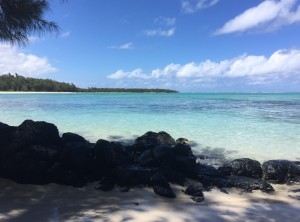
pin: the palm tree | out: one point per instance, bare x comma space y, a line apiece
21, 18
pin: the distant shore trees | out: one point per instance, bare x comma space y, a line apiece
18, 83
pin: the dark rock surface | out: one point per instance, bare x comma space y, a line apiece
196, 191
281, 171
72, 138
152, 139
242, 167
36, 133
161, 186
35, 153
248, 184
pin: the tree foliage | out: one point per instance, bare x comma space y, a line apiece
21, 18
17, 83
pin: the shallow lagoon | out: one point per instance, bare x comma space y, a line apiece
259, 126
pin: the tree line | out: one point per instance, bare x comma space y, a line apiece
18, 83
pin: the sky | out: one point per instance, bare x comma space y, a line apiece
186, 45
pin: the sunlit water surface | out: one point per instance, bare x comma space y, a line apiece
260, 126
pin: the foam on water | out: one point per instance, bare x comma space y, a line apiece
260, 126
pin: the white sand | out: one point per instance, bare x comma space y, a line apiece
62, 203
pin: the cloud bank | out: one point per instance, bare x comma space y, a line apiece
256, 69
268, 15
12, 60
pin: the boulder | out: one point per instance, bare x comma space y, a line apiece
72, 138
161, 186
209, 176
6, 135
186, 165
182, 149
281, 171
172, 175
248, 184
48, 154
196, 191
107, 155
242, 167
208, 171
22, 169
77, 156
152, 139
36, 133
106, 184
162, 152
164, 191
132, 176
61, 175
182, 141
147, 159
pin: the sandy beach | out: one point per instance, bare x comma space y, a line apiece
63, 203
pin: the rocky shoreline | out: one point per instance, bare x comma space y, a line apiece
34, 153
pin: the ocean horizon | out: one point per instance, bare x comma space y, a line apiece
261, 126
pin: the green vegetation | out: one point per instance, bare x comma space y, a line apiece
19, 19
17, 83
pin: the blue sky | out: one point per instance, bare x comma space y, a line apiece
187, 45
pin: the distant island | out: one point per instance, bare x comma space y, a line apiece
18, 83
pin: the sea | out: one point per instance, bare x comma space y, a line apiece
261, 126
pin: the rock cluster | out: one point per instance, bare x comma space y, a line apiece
34, 153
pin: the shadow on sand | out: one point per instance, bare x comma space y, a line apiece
62, 203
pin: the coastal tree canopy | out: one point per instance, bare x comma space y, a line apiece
21, 18
16, 83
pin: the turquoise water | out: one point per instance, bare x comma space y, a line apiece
260, 126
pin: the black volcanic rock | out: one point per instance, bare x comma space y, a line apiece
248, 184
72, 138
152, 139
161, 186
36, 133
162, 152
242, 167
281, 171
77, 156
147, 159
6, 134
182, 149
34, 153
196, 191
107, 155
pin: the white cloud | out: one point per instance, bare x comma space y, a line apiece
280, 65
128, 45
12, 60
165, 27
65, 34
268, 15
160, 32
191, 6
165, 21
135, 74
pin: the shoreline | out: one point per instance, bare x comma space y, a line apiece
156, 178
